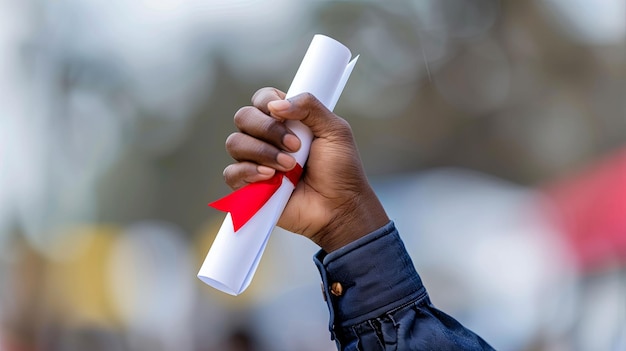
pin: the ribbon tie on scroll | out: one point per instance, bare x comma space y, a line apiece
245, 202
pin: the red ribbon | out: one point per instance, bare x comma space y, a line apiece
245, 202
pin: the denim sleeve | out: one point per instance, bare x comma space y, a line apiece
377, 300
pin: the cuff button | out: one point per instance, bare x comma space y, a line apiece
336, 289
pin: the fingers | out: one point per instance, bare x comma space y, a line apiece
240, 174
243, 147
262, 140
262, 144
310, 111
263, 96
253, 122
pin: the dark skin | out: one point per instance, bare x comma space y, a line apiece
333, 204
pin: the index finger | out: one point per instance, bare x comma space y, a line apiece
263, 96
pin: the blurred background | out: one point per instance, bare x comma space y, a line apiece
493, 131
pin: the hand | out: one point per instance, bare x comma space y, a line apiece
333, 204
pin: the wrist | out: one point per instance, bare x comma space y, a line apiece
357, 218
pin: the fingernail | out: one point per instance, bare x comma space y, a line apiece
285, 160
291, 142
279, 105
263, 170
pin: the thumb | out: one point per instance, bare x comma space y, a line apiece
311, 112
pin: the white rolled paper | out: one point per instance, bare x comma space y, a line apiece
234, 256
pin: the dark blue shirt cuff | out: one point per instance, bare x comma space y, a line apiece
376, 276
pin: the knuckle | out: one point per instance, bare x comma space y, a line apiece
255, 95
342, 124
261, 92
226, 173
229, 176
264, 95
232, 141
342, 128
242, 115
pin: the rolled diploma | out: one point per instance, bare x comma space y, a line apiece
234, 256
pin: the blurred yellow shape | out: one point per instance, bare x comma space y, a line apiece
77, 285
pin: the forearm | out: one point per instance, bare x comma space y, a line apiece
376, 297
